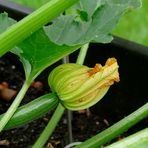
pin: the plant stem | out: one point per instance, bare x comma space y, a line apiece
82, 54
59, 110
116, 129
137, 140
69, 118
69, 113
24, 28
14, 105
80, 60
50, 127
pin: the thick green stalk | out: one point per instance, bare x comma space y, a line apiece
137, 140
116, 129
14, 106
24, 28
50, 127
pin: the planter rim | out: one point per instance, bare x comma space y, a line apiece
130, 46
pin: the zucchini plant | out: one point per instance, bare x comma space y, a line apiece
74, 24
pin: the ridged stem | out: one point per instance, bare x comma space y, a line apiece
24, 28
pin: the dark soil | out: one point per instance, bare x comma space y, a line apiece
84, 126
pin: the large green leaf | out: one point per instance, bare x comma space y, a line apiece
71, 30
37, 52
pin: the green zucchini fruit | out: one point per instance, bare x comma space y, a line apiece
31, 111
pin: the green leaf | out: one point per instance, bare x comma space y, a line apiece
77, 28
86, 7
5, 22
37, 53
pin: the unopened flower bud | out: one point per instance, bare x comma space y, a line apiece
79, 87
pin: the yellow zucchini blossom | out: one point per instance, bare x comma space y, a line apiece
79, 87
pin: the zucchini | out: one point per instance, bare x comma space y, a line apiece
31, 111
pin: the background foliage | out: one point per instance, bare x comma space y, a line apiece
134, 25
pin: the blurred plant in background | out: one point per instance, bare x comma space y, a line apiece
134, 25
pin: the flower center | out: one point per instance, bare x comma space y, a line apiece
96, 69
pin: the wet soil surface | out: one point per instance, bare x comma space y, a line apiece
84, 125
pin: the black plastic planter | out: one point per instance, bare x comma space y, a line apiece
126, 96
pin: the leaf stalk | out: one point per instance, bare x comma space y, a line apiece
27, 26
14, 105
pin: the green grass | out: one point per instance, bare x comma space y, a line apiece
134, 25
